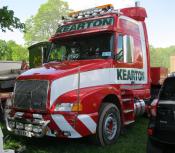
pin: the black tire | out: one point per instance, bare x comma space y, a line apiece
108, 134
153, 147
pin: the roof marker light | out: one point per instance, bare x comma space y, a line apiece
92, 11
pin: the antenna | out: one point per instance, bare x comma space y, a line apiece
137, 4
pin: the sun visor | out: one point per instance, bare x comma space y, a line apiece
137, 13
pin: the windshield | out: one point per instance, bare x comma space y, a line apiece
79, 48
167, 92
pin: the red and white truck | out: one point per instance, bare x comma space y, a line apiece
96, 81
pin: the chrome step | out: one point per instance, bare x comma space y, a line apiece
127, 99
128, 122
128, 111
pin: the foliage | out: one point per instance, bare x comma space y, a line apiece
9, 21
12, 51
18, 52
5, 51
44, 24
161, 56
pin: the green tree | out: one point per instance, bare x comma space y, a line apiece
18, 52
9, 21
12, 51
161, 56
44, 24
5, 51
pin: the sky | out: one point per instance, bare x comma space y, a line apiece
160, 21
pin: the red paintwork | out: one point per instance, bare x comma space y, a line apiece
158, 74
91, 98
55, 70
138, 13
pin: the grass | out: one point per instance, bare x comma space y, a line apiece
132, 140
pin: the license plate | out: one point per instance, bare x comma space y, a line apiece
23, 133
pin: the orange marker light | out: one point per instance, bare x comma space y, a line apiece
105, 6
77, 107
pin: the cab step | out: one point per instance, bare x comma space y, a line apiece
126, 100
128, 122
128, 111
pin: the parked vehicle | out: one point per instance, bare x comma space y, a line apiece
161, 128
96, 79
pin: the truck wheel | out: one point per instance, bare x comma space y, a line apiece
153, 148
109, 124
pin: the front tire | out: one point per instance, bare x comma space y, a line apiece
109, 124
153, 148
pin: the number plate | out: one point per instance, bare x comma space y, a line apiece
23, 133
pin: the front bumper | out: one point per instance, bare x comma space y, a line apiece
56, 125
163, 136
161, 141
33, 127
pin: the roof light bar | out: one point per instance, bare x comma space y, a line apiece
92, 11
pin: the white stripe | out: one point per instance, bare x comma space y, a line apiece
65, 126
167, 102
88, 122
88, 79
63, 85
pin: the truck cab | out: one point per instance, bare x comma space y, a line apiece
96, 79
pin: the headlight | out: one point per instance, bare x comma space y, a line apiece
28, 127
37, 129
64, 107
68, 107
19, 125
11, 124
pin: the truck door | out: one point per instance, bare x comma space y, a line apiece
130, 59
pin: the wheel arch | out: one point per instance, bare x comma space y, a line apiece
114, 99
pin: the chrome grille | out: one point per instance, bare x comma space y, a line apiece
31, 94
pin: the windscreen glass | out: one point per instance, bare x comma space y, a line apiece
80, 48
167, 92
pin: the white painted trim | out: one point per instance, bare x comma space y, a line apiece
65, 126
88, 122
88, 79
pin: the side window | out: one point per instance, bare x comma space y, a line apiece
125, 49
120, 51
128, 48
57, 53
